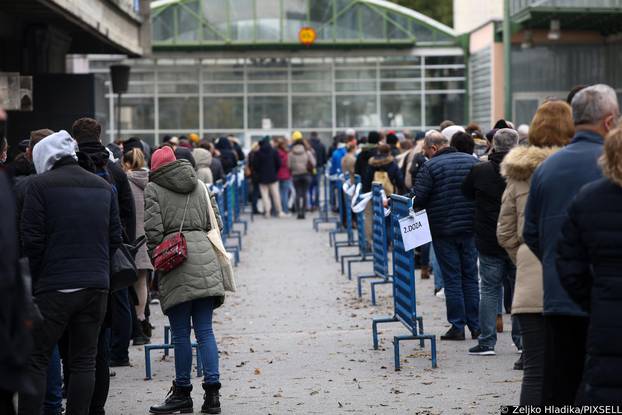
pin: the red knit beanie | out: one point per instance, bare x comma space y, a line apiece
162, 156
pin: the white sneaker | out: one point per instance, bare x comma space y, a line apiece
441, 293
283, 215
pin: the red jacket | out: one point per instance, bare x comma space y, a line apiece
284, 173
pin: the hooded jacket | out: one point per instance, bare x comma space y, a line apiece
138, 181
518, 167
438, 190
589, 262
298, 159
200, 276
485, 186
203, 159
266, 163
320, 151
384, 163
70, 222
228, 157
553, 186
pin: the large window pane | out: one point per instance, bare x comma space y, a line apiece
271, 109
267, 88
311, 112
137, 114
439, 107
223, 88
223, 112
413, 85
441, 85
355, 74
178, 88
242, 24
276, 75
357, 111
400, 73
355, 86
178, 76
179, 113
269, 20
401, 110
295, 14
312, 87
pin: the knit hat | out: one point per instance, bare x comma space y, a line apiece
392, 138
161, 157
296, 135
132, 142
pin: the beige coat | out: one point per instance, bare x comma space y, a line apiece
347, 165
518, 167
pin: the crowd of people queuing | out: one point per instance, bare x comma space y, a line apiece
523, 219
70, 204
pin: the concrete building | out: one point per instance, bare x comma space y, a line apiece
266, 67
552, 46
471, 14
36, 36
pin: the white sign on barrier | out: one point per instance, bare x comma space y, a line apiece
415, 230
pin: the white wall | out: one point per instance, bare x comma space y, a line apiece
470, 14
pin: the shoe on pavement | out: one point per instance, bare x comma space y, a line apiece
480, 350
439, 293
140, 340
177, 400
211, 399
147, 328
518, 365
425, 272
453, 334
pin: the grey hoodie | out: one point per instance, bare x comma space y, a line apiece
51, 149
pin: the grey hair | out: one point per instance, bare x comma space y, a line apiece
435, 138
505, 139
594, 103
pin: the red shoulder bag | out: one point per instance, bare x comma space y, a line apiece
173, 252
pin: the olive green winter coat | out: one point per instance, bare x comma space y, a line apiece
200, 275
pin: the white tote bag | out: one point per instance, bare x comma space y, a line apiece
219, 248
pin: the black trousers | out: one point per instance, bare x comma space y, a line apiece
6, 403
532, 331
564, 356
301, 185
81, 313
121, 321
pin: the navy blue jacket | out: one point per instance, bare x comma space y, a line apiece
553, 186
438, 190
70, 226
266, 163
589, 265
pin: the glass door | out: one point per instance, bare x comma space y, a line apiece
255, 136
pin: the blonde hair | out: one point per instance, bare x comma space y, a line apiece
134, 160
552, 125
611, 160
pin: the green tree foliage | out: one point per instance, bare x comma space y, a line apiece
441, 10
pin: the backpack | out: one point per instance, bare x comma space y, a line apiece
382, 176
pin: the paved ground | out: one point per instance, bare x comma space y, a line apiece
296, 339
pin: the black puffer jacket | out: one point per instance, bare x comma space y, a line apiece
589, 264
362, 162
384, 163
70, 225
228, 158
438, 190
485, 186
266, 163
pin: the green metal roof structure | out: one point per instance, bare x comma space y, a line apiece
226, 24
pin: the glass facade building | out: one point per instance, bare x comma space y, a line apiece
240, 69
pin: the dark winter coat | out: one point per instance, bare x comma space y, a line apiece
553, 186
362, 162
266, 163
438, 190
485, 186
218, 173
590, 270
227, 157
320, 151
384, 163
418, 161
70, 226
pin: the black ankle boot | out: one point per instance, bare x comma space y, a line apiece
211, 401
177, 400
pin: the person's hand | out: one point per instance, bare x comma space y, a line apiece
385, 203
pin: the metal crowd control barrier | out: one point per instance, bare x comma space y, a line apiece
324, 204
364, 253
337, 184
166, 346
404, 295
239, 197
346, 208
229, 208
379, 247
220, 199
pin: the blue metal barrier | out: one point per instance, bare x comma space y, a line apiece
379, 247
229, 207
335, 185
239, 198
345, 207
220, 199
404, 295
325, 203
364, 253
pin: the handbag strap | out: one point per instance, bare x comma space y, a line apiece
183, 219
210, 209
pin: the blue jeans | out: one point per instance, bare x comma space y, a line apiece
314, 191
492, 271
53, 402
179, 316
436, 269
285, 187
458, 260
